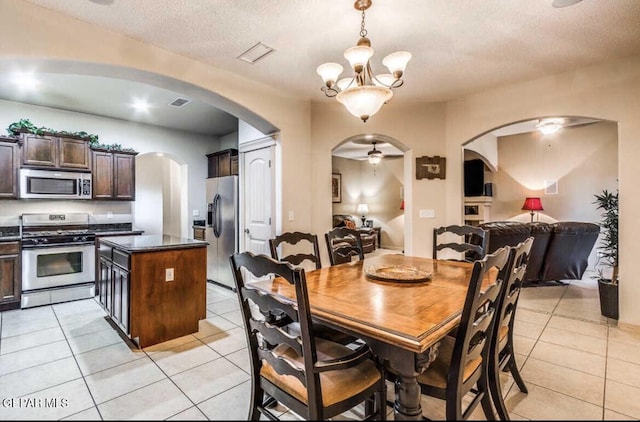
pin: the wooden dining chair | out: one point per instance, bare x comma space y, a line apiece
298, 259
292, 239
343, 244
502, 357
461, 367
472, 241
315, 378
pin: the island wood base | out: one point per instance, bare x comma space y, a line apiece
136, 294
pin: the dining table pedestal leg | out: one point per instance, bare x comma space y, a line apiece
407, 405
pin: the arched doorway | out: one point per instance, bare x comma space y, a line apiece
564, 169
379, 186
159, 180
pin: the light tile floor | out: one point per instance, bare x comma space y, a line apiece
71, 364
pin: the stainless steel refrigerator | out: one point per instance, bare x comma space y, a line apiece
222, 228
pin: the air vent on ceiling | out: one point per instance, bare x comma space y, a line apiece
179, 102
255, 53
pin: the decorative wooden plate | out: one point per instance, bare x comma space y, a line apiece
398, 273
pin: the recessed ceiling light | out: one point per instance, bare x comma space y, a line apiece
255, 53
25, 81
565, 3
140, 104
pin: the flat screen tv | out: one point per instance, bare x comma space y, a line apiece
473, 177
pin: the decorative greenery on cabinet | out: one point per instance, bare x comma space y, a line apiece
25, 125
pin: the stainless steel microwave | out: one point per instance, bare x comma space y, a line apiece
54, 184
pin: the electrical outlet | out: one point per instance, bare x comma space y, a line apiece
109, 214
290, 215
196, 213
168, 274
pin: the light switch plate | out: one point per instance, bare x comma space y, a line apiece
427, 213
290, 215
196, 213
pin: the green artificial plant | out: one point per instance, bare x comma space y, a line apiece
608, 248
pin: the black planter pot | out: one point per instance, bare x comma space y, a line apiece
608, 299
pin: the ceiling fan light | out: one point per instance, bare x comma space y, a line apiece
549, 128
374, 157
358, 56
397, 62
329, 72
364, 101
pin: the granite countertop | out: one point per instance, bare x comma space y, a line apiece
151, 242
9, 233
118, 232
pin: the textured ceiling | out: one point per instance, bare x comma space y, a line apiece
458, 46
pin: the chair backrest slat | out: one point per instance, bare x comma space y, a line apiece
294, 238
473, 243
343, 244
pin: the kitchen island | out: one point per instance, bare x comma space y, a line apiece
153, 287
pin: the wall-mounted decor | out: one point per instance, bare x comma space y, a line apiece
336, 187
551, 186
431, 167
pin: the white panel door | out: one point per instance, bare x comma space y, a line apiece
258, 199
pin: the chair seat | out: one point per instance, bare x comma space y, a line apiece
336, 385
436, 373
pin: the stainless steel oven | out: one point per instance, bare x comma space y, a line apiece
58, 259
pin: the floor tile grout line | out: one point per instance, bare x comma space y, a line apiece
78, 365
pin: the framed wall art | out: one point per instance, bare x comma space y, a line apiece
336, 187
431, 167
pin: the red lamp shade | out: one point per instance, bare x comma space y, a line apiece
532, 204
402, 205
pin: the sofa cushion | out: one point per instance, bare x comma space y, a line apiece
569, 249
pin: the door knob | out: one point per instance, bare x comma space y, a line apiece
246, 231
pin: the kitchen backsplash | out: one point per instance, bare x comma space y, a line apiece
98, 209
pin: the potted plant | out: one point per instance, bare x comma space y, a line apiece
608, 254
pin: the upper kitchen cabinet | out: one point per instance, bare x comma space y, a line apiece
9, 165
53, 151
114, 175
222, 163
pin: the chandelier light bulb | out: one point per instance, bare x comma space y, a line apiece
358, 57
344, 83
329, 72
384, 79
397, 62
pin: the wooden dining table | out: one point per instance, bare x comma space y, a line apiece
402, 321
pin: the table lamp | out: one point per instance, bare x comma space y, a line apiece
363, 209
532, 204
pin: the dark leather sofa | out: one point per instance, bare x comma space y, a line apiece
560, 250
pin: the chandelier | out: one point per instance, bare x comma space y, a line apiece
364, 93
374, 156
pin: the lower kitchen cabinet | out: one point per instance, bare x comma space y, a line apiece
113, 285
10, 275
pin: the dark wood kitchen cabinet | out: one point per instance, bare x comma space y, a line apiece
222, 163
9, 165
52, 151
113, 285
114, 175
10, 275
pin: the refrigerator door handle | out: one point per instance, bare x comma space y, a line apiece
217, 222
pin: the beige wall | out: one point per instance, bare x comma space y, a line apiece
309, 132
